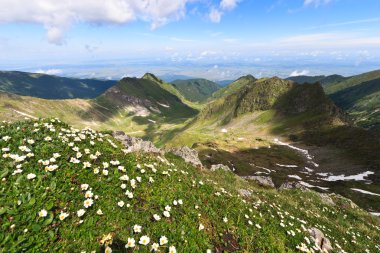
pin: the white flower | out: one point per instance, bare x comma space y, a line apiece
172, 249
130, 243
105, 172
99, 212
137, 228
225, 220
88, 194
108, 250
258, 226
124, 178
156, 217
155, 246
166, 214
105, 165
42, 213
120, 203
84, 187
80, 212
123, 186
180, 201
168, 208
144, 240
88, 202
30, 176
63, 216
138, 179
163, 240
96, 171
175, 202
86, 165
201, 227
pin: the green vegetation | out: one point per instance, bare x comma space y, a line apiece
196, 90
323, 80
51, 87
72, 190
360, 97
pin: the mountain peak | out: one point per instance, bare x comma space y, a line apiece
152, 77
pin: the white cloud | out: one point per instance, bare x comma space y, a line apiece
215, 15
304, 72
316, 3
228, 4
58, 16
49, 71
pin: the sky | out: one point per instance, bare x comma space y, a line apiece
214, 39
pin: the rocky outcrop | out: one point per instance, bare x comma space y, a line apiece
326, 199
245, 193
261, 180
188, 154
216, 167
293, 185
134, 144
320, 240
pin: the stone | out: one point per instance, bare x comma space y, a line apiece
293, 185
245, 193
261, 180
216, 167
323, 242
134, 144
188, 154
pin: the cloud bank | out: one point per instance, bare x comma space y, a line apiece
58, 16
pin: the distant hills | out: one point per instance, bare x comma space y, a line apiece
196, 90
51, 87
358, 95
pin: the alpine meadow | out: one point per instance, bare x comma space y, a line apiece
190, 126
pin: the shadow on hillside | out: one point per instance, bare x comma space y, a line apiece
346, 98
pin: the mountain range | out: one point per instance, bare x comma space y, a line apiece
247, 125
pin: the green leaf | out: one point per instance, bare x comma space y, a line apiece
3, 210
32, 201
48, 219
36, 227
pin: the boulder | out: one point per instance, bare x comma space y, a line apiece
293, 185
188, 154
261, 180
216, 167
245, 193
134, 144
326, 199
320, 240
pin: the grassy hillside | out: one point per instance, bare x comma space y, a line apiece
68, 190
51, 87
234, 86
323, 80
140, 107
360, 97
196, 90
286, 97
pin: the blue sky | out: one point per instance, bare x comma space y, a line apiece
207, 38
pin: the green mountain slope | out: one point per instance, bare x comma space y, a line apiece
141, 107
78, 191
323, 80
196, 90
234, 86
360, 97
51, 87
286, 97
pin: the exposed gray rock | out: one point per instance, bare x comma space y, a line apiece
134, 144
216, 167
326, 199
188, 154
261, 180
320, 240
293, 185
342, 201
245, 193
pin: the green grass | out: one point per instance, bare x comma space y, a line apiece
196, 90
212, 197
